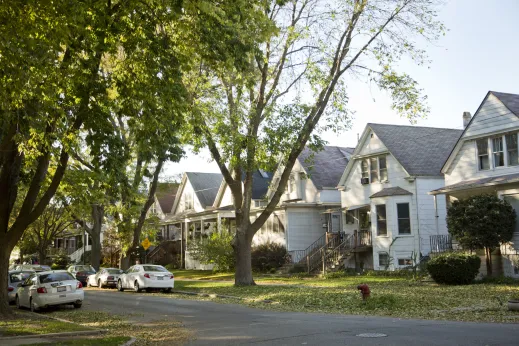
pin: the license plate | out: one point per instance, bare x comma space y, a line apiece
62, 289
160, 278
63, 296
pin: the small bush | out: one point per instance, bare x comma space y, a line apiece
499, 280
454, 268
268, 257
297, 269
216, 250
61, 260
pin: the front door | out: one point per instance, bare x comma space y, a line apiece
336, 222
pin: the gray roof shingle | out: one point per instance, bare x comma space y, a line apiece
511, 101
391, 191
206, 186
166, 193
325, 167
421, 150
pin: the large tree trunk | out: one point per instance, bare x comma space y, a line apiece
5, 253
488, 260
42, 255
95, 233
242, 245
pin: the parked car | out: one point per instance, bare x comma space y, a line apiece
104, 277
13, 279
33, 267
146, 276
44, 289
81, 272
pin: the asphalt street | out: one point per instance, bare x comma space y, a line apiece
231, 324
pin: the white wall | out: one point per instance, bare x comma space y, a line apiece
188, 189
426, 212
305, 226
492, 118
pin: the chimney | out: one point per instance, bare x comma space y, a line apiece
466, 119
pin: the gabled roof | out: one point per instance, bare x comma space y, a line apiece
326, 166
510, 101
166, 193
420, 150
206, 186
391, 191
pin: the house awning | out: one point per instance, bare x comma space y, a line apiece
477, 183
331, 211
354, 207
391, 191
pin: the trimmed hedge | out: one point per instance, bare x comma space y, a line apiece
454, 268
268, 257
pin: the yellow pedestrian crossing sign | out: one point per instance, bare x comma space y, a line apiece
146, 244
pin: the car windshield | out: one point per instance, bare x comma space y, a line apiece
154, 269
84, 269
114, 271
53, 277
19, 277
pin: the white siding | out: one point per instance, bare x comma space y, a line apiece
268, 233
493, 116
305, 225
188, 191
329, 196
426, 212
373, 145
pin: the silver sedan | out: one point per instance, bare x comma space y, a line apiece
104, 277
14, 278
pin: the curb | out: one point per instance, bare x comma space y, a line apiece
189, 293
130, 342
32, 336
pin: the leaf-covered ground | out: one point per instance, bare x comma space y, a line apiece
390, 296
147, 332
25, 323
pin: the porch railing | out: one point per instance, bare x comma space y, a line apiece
299, 256
441, 243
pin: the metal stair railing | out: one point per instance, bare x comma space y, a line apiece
337, 254
299, 256
314, 260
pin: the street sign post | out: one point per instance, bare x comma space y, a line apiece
146, 244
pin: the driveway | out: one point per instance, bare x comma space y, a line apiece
225, 324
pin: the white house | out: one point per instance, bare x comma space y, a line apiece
486, 160
384, 194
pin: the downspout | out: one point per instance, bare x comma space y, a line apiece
436, 216
418, 220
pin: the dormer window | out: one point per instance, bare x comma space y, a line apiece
497, 148
497, 151
511, 147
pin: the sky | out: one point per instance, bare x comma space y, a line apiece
479, 53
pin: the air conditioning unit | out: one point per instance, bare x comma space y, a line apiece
364, 181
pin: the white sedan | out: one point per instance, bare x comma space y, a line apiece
44, 289
146, 276
104, 277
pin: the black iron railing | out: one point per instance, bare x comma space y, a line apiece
441, 243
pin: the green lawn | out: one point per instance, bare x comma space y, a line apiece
24, 323
201, 275
391, 296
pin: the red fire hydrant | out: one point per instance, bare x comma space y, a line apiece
364, 291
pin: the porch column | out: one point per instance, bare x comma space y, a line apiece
201, 228
219, 223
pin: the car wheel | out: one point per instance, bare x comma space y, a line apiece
136, 286
77, 305
99, 283
33, 308
120, 286
18, 302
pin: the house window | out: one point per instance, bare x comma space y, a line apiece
497, 150
259, 203
381, 220
483, 160
383, 259
382, 168
511, 148
189, 200
365, 168
404, 221
350, 217
405, 262
374, 169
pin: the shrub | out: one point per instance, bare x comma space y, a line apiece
268, 257
297, 269
61, 260
454, 268
216, 250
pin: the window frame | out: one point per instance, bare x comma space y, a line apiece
480, 155
387, 260
403, 218
379, 234
495, 152
508, 149
369, 172
405, 259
